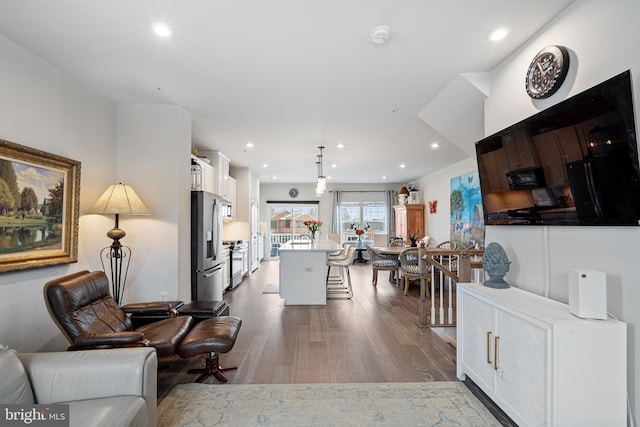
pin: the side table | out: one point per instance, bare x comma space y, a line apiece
201, 310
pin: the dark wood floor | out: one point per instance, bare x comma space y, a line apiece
371, 338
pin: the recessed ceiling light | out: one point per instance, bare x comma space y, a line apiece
384, 177
163, 30
274, 177
340, 145
264, 165
498, 34
435, 145
333, 165
403, 165
249, 144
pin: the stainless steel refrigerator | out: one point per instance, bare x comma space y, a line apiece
207, 259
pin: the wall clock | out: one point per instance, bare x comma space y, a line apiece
293, 192
547, 71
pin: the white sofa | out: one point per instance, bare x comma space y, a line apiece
116, 387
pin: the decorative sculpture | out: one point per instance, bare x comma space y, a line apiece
496, 264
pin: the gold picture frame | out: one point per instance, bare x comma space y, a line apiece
39, 208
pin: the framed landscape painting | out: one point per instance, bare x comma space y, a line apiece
39, 208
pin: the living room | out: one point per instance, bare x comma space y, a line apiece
46, 108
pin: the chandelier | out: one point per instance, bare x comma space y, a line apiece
321, 183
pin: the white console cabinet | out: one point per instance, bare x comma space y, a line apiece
539, 363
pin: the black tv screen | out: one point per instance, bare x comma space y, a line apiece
575, 163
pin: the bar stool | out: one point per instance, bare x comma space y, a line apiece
337, 256
337, 288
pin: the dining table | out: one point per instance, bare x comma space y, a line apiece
390, 250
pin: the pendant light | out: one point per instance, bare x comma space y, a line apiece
321, 183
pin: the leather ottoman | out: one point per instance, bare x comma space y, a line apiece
211, 337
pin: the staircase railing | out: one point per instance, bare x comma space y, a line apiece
448, 267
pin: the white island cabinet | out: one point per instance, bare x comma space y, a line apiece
539, 363
303, 271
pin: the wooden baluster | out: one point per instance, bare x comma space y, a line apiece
450, 283
422, 268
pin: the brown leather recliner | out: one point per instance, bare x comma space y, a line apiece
82, 307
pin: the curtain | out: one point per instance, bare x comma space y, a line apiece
335, 220
392, 196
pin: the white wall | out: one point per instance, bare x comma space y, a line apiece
436, 186
153, 156
45, 109
602, 38
147, 146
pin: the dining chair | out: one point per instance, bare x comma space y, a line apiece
447, 245
380, 239
397, 243
410, 269
450, 261
383, 262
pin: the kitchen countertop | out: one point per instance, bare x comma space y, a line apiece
309, 246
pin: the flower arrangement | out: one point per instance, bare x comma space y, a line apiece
313, 226
360, 230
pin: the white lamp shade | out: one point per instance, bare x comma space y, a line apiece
119, 199
321, 184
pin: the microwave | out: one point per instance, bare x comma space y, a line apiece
526, 179
227, 213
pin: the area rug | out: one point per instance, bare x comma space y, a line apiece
447, 403
273, 288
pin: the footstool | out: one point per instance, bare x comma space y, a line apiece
211, 336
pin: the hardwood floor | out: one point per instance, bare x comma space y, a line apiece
371, 338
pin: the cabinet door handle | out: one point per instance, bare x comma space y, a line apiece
489, 347
495, 352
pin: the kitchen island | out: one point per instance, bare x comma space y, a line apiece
303, 271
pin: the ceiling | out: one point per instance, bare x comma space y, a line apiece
286, 75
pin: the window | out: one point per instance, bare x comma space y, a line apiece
368, 213
287, 221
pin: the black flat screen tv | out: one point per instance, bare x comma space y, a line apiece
575, 163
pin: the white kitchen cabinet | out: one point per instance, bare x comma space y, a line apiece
220, 163
539, 363
207, 175
232, 194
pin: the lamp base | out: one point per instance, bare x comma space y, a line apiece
115, 259
116, 233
